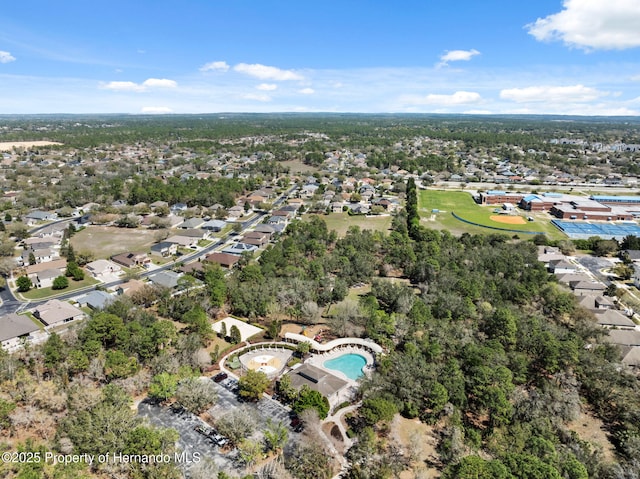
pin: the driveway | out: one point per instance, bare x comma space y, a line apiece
594, 265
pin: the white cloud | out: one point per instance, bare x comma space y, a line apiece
122, 86
215, 66
256, 97
156, 110
592, 24
6, 57
307, 91
635, 78
159, 83
547, 94
267, 87
144, 86
457, 56
264, 72
457, 98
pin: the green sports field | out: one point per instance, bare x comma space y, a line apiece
462, 204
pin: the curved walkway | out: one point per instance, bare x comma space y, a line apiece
315, 345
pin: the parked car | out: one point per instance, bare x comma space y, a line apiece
201, 429
220, 377
177, 408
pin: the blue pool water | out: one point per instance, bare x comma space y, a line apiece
349, 364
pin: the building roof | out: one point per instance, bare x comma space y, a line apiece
611, 317
631, 356
130, 287
96, 299
316, 379
162, 246
14, 326
213, 224
192, 223
128, 259
182, 240
239, 248
223, 259
168, 279
193, 232
40, 215
100, 266
55, 311
246, 330
49, 274
623, 337
196, 266
587, 285
59, 264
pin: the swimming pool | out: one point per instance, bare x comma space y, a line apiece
349, 364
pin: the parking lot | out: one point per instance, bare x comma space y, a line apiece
185, 423
266, 408
190, 440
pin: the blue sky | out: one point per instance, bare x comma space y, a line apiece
577, 57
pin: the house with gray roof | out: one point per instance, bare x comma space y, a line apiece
213, 225
191, 223
623, 337
44, 279
164, 249
317, 379
16, 329
610, 318
166, 279
239, 248
96, 300
38, 215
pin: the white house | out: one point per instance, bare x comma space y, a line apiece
102, 267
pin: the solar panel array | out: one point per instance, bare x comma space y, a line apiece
598, 229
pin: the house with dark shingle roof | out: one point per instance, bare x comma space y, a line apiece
226, 260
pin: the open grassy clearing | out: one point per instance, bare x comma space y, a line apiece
464, 206
341, 222
105, 241
297, 166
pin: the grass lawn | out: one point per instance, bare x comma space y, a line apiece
354, 295
341, 222
105, 241
463, 205
43, 293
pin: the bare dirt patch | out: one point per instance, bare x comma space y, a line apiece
418, 440
510, 220
332, 431
105, 241
10, 145
592, 430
